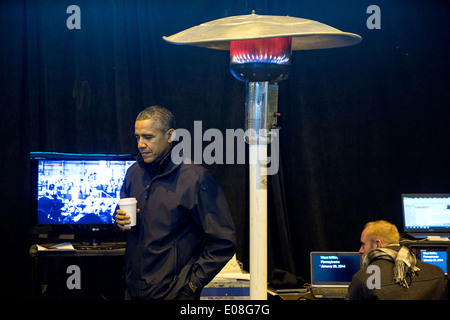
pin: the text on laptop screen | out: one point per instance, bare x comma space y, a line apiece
426, 213
334, 268
436, 257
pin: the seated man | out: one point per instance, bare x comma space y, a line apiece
394, 273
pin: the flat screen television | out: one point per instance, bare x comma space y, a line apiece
76, 194
427, 214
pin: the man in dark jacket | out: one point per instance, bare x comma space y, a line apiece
184, 233
391, 272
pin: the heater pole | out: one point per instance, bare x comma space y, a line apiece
258, 223
258, 137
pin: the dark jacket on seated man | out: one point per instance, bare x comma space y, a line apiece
421, 281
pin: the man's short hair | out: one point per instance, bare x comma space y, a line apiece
383, 230
164, 119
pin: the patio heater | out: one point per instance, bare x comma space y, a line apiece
260, 53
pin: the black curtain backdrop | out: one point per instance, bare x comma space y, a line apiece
360, 125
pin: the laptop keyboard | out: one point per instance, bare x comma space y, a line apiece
330, 292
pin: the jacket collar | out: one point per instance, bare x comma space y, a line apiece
165, 165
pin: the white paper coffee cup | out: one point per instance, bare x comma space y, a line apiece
129, 206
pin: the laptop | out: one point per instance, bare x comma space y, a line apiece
426, 215
332, 272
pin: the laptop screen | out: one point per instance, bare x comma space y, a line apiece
437, 256
334, 268
426, 213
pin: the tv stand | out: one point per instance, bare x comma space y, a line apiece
99, 271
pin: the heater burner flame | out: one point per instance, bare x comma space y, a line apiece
270, 50
260, 58
266, 59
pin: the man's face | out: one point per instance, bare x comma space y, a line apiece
367, 244
151, 141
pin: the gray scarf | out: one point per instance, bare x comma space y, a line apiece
404, 263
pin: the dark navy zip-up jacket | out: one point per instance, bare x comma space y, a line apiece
184, 229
